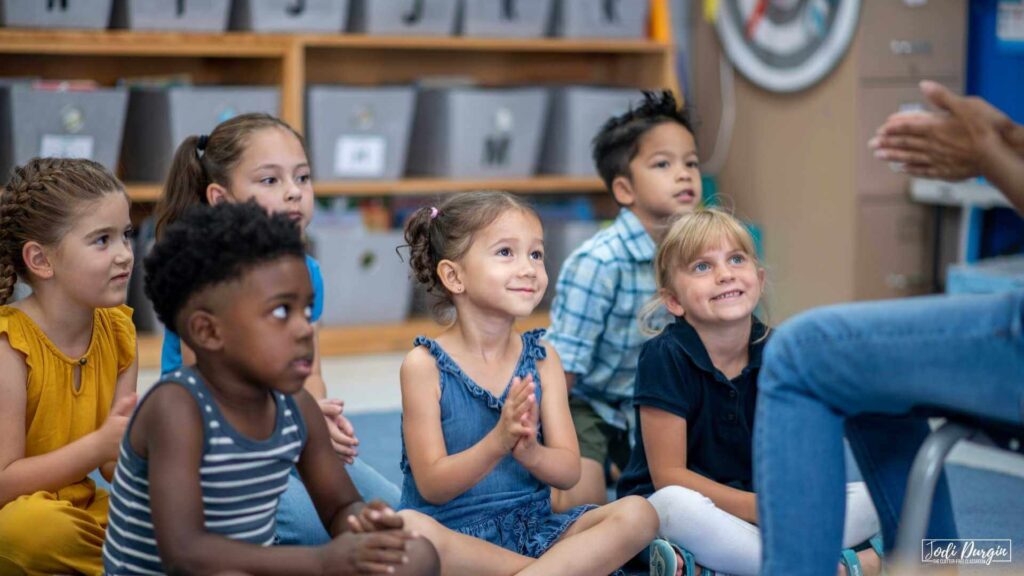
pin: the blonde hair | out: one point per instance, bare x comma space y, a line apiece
689, 237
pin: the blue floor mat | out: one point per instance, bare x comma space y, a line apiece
380, 442
986, 504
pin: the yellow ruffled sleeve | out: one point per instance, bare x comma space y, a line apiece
12, 324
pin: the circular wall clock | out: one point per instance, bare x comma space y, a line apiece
786, 45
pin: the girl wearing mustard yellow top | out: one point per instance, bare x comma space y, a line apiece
67, 362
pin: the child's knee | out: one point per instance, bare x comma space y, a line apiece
639, 517
414, 521
421, 524
423, 558
678, 497
675, 504
49, 521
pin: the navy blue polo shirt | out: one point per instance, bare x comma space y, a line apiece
675, 374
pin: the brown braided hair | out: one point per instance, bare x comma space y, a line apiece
203, 160
445, 232
38, 204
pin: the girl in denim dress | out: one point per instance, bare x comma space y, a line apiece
486, 425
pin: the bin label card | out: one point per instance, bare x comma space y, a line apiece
1010, 21
65, 146
360, 156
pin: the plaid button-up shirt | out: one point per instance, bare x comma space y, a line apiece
594, 328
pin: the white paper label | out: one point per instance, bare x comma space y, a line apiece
360, 156
1010, 21
64, 146
907, 107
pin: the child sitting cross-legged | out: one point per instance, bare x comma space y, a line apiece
207, 453
485, 416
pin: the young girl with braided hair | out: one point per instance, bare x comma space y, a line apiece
67, 361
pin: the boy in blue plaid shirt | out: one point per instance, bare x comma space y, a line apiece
647, 158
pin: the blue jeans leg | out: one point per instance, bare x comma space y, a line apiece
372, 485
299, 524
840, 368
885, 465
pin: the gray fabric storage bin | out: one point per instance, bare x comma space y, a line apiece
600, 18
81, 14
67, 124
182, 15
364, 280
577, 114
160, 118
505, 18
359, 133
477, 132
6, 136
290, 15
403, 17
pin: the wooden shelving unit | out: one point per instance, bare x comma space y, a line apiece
147, 192
292, 62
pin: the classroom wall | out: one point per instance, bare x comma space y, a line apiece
787, 172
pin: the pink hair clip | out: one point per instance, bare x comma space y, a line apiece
434, 212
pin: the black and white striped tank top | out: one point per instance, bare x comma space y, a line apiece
242, 480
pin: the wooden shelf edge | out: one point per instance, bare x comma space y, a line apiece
352, 340
421, 186
247, 44
478, 44
144, 192
148, 192
133, 43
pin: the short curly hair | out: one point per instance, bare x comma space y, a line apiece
211, 245
618, 141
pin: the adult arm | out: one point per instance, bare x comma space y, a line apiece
967, 138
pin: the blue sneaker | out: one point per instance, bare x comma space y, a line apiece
664, 561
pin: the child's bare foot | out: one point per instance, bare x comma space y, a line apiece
681, 567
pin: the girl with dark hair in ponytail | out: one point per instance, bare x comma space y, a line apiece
259, 157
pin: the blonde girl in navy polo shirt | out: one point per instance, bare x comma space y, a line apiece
696, 389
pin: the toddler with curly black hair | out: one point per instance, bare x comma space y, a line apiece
207, 454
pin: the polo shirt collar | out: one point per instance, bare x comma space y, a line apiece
692, 345
635, 238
